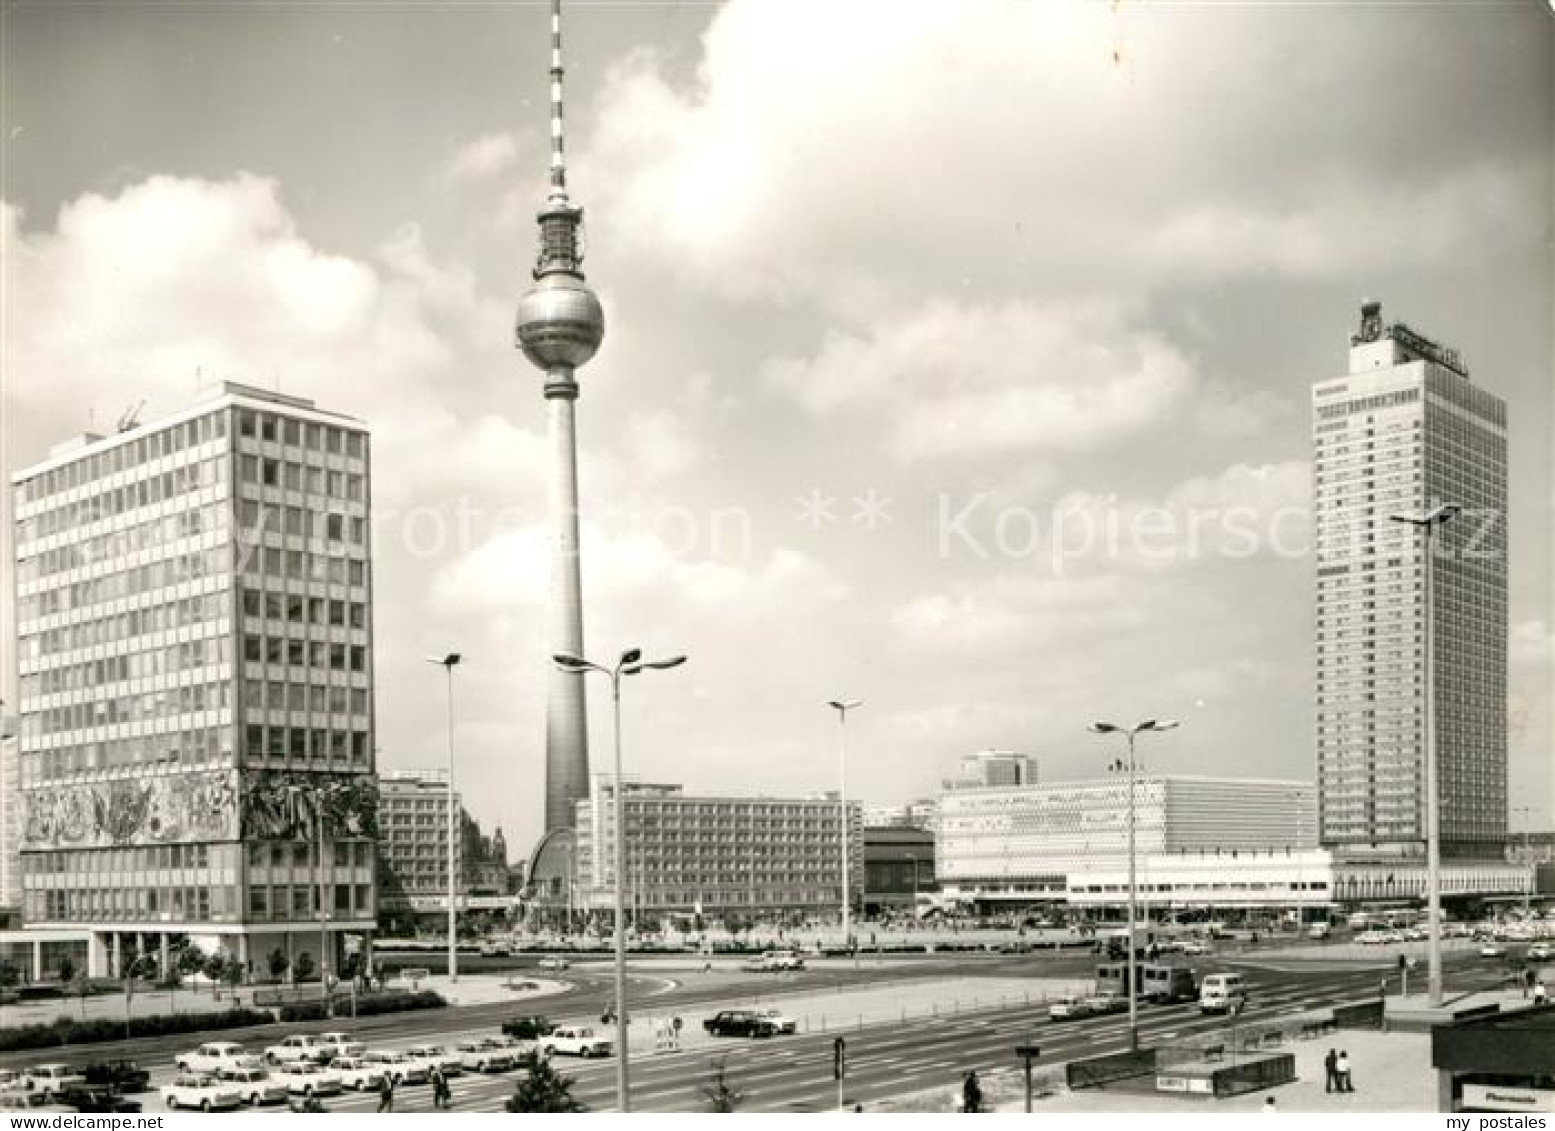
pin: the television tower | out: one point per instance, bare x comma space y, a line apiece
560, 326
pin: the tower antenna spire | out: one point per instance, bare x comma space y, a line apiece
558, 134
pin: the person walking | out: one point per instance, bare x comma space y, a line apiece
1342, 1068
441, 1092
1540, 995
1331, 1072
1269, 1106
971, 1094
386, 1093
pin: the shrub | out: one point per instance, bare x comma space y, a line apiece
398, 1003
278, 963
63, 1032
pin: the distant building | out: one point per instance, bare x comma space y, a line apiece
413, 843
919, 814
898, 867
719, 857
1405, 431
993, 768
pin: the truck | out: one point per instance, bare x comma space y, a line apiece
1160, 982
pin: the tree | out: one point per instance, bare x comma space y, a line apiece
190, 959
303, 967
10, 973
66, 968
278, 963
215, 966
541, 1088
721, 1095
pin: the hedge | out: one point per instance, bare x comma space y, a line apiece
63, 1032
365, 1006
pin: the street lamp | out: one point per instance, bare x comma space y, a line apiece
913, 856
842, 707
1428, 524
319, 793
448, 663
1133, 894
1526, 812
630, 663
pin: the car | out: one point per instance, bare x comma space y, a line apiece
255, 1082
755, 965
527, 1028
398, 1067
209, 1057
300, 1048
192, 1089
497, 948
122, 1075
304, 1078
1068, 1009
575, 1040
1492, 950
1222, 993
15, 1101
1541, 952
341, 1044
486, 1054
1372, 938
96, 1098
51, 1079
436, 1056
553, 963
1192, 946
739, 1023
1100, 1004
784, 1024
1319, 931
357, 1074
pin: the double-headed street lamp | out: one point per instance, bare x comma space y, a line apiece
1133, 965
455, 827
842, 707
630, 663
1428, 524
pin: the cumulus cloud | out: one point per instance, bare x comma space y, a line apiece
486, 157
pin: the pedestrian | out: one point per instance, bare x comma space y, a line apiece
1269, 1107
1331, 1072
1539, 993
971, 1094
442, 1091
1342, 1067
386, 1093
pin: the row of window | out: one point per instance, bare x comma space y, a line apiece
126, 457
164, 616
188, 746
278, 695
89, 905
129, 537
149, 663
174, 570
114, 709
290, 476
303, 854
300, 565
271, 428
280, 902
111, 861
299, 743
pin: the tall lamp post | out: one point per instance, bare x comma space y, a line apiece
319, 793
842, 707
913, 856
1129, 733
455, 828
1428, 526
1526, 812
630, 663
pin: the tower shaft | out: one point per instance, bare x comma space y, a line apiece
566, 717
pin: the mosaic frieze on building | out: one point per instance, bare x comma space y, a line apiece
134, 811
283, 806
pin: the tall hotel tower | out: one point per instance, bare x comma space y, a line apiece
194, 653
1405, 431
560, 326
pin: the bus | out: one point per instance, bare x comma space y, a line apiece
1158, 981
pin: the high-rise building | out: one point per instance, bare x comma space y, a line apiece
1404, 431
560, 325
194, 653
993, 767
413, 842
10, 816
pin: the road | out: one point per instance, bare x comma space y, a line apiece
794, 1073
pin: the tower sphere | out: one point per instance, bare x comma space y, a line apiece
560, 322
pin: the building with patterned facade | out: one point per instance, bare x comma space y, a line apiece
1404, 431
194, 660
993, 767
720, 857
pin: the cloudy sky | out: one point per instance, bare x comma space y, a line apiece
918, 315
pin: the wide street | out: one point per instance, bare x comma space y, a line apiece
886, 1059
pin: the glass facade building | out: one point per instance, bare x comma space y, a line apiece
194, 654
1403, 432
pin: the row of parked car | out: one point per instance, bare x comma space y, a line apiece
99, 1087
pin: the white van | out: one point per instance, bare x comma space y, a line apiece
1219, 993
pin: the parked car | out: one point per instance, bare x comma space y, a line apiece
304, 1078
396, 1065
739, 1023
123, 1075
1192, 946
527, 1028
554, 963
782, 1022
1100, 1004
1492, 950
191, 1089
51, 1079
1319, 931
575, 1040
357, 1074
487, 1054
341, 1044
300, 1048
436, 1056
16, 1101
209, 1057
96, 1098
1068, 1009
1541, 952
255, 1082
